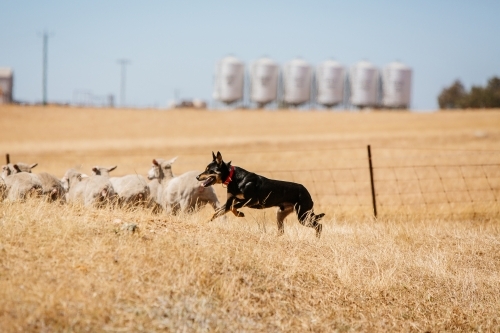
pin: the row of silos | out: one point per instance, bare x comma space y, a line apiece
299, 82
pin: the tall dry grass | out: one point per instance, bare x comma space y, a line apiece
66, 268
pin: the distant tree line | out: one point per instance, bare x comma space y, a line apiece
456, 97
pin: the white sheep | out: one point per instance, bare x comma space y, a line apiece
131, 189
20, 185
182, 193
52, 188
92, 190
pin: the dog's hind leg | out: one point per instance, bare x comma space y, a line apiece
317, 226
282, 212
307, 217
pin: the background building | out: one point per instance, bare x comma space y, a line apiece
6, 85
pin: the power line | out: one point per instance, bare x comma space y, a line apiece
123, 63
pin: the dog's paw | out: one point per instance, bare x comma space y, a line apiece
237, 213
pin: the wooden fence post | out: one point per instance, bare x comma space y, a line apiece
7, 158
374, 202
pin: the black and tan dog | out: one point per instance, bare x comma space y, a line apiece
247, 189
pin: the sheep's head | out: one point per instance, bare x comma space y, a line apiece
6, 171
161, 168
12, 168
70, 177
102, 171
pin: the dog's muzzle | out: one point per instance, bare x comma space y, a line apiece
209, 181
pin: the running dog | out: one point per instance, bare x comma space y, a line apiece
247, 189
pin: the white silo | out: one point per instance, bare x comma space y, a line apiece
296, 82
330, 76
364, 84
264, 75
229, 80
6, 85
396, 84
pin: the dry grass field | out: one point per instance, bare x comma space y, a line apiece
75, 269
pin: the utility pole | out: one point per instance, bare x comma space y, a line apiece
45, 37
123, 63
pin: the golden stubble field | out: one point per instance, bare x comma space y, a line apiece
66, 268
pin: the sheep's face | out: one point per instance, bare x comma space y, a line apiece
65, 183
71, 176
161, 169
6, 171
154, 172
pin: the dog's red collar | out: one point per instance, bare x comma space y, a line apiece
230, 177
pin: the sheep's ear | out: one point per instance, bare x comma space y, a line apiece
213, 155
96, 170
79, 177
33, 165
155, 162
171, 161
16, 167
112, 168
219, 158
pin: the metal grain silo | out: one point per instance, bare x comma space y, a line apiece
6, 85
330, 76
229, 80
364, 84
264, 75
296, 82
396, 84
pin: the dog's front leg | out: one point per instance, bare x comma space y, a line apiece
237, 203
219, 212
228, 206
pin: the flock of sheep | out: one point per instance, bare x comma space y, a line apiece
163, 191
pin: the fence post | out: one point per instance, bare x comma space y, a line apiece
374, 202
7, 158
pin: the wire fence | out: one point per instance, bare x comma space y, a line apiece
443, 182
442, 188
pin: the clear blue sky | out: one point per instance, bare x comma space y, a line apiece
174, 44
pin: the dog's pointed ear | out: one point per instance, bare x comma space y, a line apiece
229, 164
219, 158
213, 155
